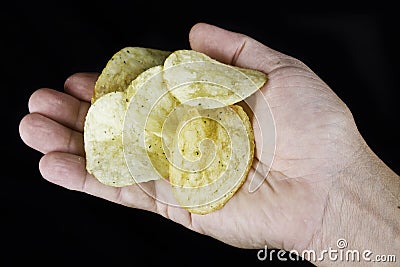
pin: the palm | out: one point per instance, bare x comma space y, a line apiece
286, 210
288, 207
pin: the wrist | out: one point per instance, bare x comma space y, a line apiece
362, 215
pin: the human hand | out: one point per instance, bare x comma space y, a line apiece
306, 200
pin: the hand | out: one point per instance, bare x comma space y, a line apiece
320, 179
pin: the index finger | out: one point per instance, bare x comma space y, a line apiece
81, 85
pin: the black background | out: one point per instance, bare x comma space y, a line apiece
352, 48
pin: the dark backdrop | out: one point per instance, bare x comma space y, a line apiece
353, 48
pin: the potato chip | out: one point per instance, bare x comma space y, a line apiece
103, 140
142, 151
157, 155
150, 103
124, 66
211, 157
192, 75
113, 157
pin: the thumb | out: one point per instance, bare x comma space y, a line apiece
238, 49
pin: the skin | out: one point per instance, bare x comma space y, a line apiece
325, 183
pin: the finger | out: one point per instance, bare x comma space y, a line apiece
81, 85
237, 49
45, 135
69, 171
59, 107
